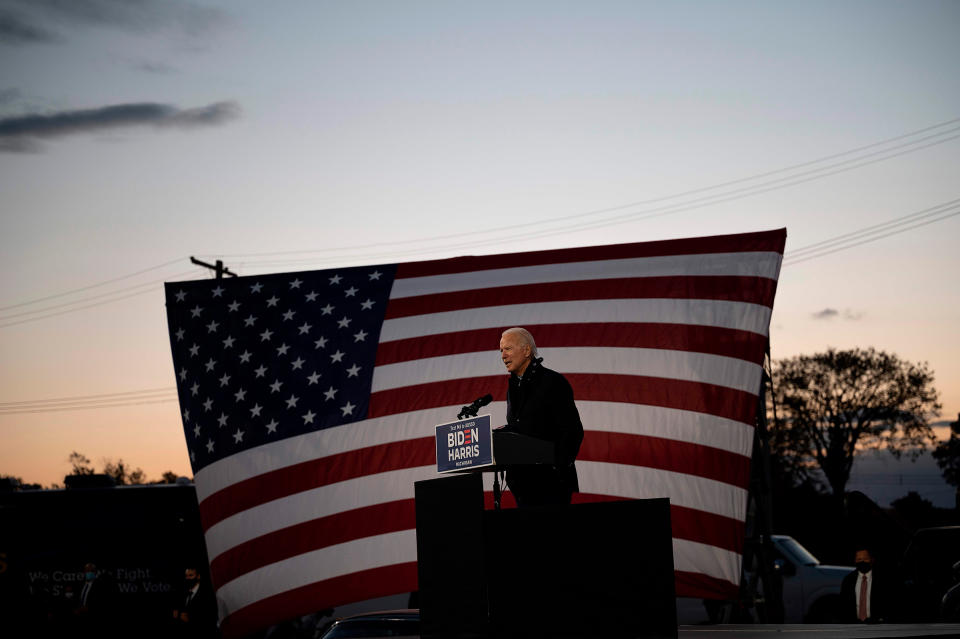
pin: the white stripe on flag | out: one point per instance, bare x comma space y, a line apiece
761, 264
691, 556
739, 315
618, 417
312, 504
671, 364
638, 482
318, 565
667, 423
620, 480
322, 443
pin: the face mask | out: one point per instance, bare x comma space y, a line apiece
90, 576
864, 567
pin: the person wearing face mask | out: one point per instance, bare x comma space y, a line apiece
95, 602
195, 614
863, 592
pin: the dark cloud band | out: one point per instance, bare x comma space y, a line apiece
14, 29
19, 133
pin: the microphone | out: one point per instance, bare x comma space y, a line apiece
471, 410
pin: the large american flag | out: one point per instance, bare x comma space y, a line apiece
309, 402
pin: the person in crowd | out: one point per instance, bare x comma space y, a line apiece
96, 603
864, 593
195, 615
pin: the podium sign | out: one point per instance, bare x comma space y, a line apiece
467, 443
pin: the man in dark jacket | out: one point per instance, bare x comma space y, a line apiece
195, 615
864, 595
540, 404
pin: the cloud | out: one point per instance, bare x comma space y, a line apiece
33, 19
158, 68
9, 95
20, 134
15, 29
830, 313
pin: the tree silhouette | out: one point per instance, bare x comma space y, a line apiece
80, 464
830, 404
947, 455
122, 474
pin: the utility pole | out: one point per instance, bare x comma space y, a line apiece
220, 269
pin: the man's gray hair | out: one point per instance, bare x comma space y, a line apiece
525, 336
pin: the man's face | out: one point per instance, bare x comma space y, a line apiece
514, 353
863, 561
190, 575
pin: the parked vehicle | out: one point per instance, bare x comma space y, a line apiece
811, 590
927, 571
390, 623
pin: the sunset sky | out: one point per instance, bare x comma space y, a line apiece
290, 136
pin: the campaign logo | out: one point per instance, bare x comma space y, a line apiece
464, 444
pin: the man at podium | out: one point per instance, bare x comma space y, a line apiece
540, 404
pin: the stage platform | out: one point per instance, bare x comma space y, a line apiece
819, 631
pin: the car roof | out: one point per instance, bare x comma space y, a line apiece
384, 614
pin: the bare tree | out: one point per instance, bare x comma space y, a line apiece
122, 474
947, 455
831, 404
80, 464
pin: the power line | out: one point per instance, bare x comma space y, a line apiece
934, 210
697, 203
80, 308
684, 206
873, 239
88, 406
74, 398
98, 284
713, 187
94, 297
945, 210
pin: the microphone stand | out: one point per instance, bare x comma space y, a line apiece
471, 410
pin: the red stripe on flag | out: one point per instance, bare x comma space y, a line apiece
312, 535
357, 586
452, 392
313, 474
666, 454
747, 242
728, 342
753, 290
690, 524
633, 389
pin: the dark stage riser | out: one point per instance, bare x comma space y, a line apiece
603, 569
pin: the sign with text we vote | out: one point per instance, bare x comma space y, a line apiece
463, 444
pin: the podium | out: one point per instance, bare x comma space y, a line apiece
585, 570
